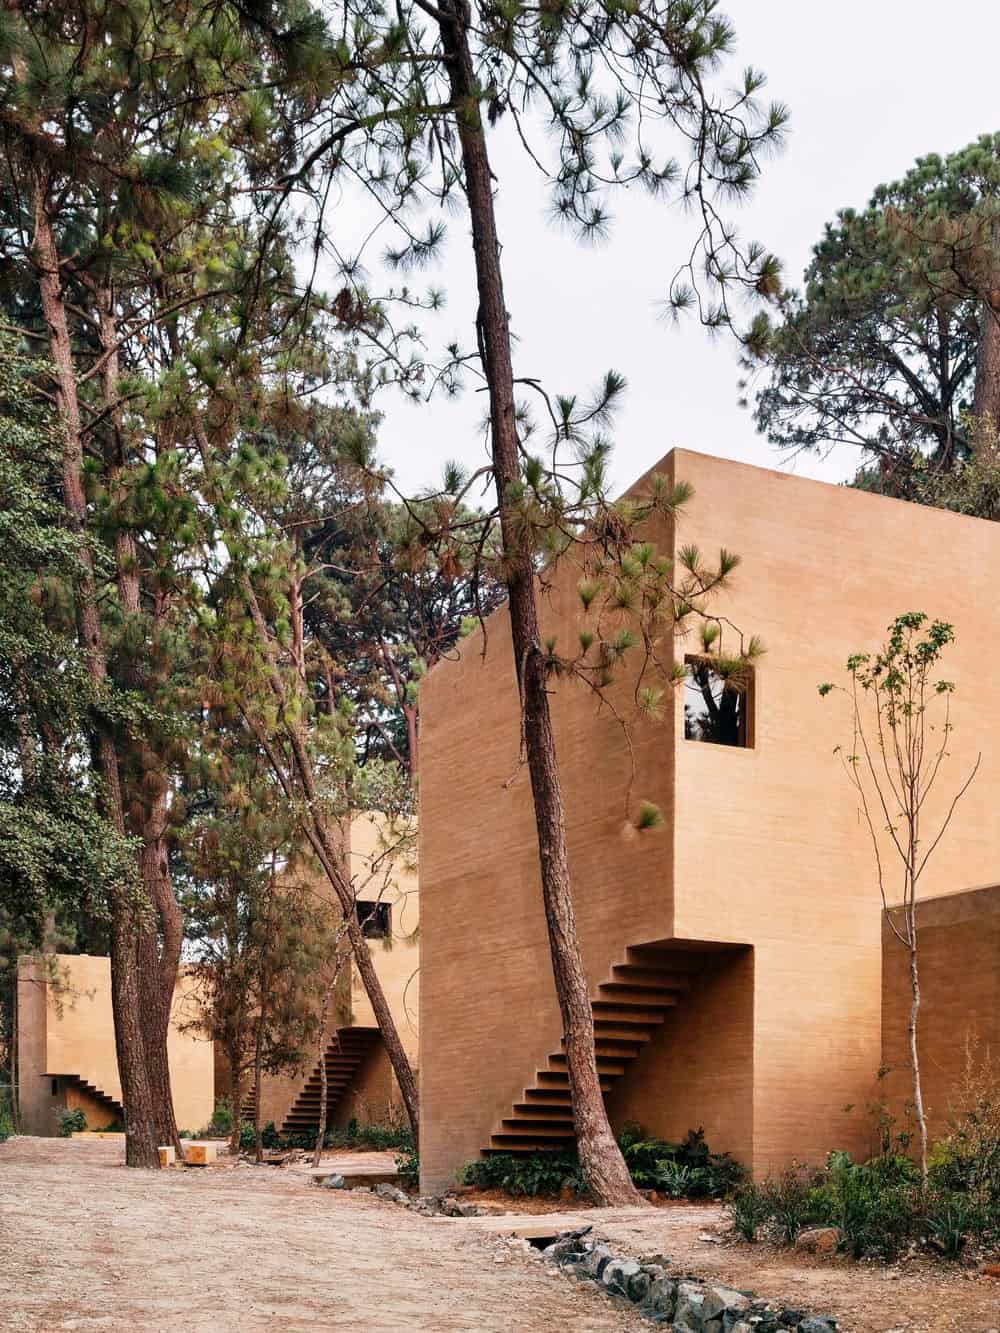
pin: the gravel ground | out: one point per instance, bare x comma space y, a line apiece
86, 1244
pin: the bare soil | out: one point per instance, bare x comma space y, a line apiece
86, 1244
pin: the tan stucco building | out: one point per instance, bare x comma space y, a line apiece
734, 953
361, 1084
66, 1046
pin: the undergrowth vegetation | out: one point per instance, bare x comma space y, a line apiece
684, 1170
880, 1206
376, 1138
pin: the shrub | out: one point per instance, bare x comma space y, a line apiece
408, 1166
248, 1136
875, 1204
71, 1122
967, 1160
950, 1220
221, 1124
681, 1170
791, 1203
7, 1126
541, 1173
750, 1208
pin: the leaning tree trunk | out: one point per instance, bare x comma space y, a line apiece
600, 1156
126, 915
330, 857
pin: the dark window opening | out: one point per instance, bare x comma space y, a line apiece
718, 703
55, 1087
375, 920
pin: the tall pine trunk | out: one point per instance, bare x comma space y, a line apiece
986, 403
159, 948
126, 917
600, 1156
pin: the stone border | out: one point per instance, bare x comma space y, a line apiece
686, 1304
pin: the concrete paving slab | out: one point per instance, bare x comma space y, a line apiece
529, 1226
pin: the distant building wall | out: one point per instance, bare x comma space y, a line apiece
958, 948
66, 1033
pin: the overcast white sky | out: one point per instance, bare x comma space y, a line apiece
871, 84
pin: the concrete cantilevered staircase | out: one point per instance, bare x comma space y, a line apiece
345, 1052
628, 1007
114, 1108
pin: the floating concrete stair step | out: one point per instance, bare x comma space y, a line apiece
525, 1143
623, 1011
605, 1031
606, 1064
556, 1115
640, 974
541, 1129
632, 992
560, 1077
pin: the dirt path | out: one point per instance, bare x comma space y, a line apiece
87, 1245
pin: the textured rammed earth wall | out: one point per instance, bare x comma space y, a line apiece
375, 1096
761, 848
958, 945
68, 1029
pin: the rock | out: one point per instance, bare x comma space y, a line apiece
819, 1240
662, 1297
638, 1285
617, 1274
709, 1239
720, 1300
690, 1305
789, 1318
333, 1182
386, 1191
597, 1260
469, 1210
818, 1324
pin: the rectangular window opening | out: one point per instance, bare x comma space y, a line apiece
718, 702
375, 920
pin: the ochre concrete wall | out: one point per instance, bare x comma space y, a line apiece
383, 868
958, 950
80, 1041
378, 876
760, 847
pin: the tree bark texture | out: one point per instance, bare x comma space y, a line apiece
986, 404
600, 1156
140, 1138
159, 946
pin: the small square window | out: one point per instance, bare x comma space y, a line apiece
375, 919
718, 706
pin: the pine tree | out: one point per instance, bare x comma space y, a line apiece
412, 123
893, 346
